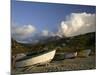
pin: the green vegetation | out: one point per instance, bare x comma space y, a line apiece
76, 43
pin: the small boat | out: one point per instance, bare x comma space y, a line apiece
40, 58
70, 55
84, 53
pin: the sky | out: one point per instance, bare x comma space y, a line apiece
31, 20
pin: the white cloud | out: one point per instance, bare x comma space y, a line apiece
75, 24
78, 23
22, 32
45, 32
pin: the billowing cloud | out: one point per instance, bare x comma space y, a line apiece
78, 23
75, 24
29, 34
22, 32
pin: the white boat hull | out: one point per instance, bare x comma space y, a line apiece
41, 59
70, 55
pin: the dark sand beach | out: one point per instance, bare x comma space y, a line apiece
78, 63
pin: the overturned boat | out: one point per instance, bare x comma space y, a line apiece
84, 53
69, 55
66, 55
32, 59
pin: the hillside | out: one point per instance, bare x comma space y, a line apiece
76, 43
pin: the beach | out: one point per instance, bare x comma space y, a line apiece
78, 63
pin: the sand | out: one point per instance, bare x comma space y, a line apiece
78, 63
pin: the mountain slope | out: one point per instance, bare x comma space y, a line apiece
76, 43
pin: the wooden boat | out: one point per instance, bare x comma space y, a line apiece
70, 55
40, 58
84, 53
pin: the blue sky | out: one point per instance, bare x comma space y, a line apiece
44, 16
